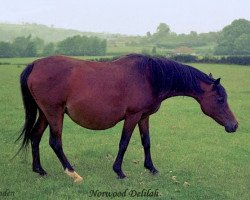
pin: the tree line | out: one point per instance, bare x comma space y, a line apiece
164, 37
233, 39
74, 46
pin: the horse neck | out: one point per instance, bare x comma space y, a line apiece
174, 93
189, 92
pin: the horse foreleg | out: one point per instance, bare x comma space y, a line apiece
145, 139
128, 128
55, 142
37, 133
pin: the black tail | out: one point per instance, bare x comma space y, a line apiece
30, 107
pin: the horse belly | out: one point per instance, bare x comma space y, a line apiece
95, 117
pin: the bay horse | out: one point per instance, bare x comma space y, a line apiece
98, 95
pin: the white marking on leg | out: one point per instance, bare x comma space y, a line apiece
74, 175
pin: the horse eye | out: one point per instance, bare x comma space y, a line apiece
221, 100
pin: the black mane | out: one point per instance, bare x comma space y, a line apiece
168, 76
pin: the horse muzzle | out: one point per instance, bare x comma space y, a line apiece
231, 128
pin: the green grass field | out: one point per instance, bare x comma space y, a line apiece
196, 158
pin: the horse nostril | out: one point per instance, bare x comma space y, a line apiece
235, 126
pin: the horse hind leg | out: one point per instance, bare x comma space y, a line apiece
55, 141
38, 131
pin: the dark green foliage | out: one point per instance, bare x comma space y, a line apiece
82, 46
239, 60
242, 44
73, 46
49, 49
184, 58
164, 38
6, 50
39, 43
20, 47
30, 50
235, 39
163, 30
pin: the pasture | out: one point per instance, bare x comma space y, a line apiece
196, 158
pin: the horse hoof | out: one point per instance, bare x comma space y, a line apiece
151, 169
43, 173
40, 171
122, 176
77, 178
154, 171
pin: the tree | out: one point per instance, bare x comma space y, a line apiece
20, 44
82, 45
163, 29
6, 50
233, 37
49, 49
162, 34
24, 47
242, 44
31, 50
39, 43
193, 34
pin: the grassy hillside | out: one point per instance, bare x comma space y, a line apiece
49, 34
195, 157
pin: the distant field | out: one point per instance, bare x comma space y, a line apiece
207, 162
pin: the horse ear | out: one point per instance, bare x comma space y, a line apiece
217, 82
210, 75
